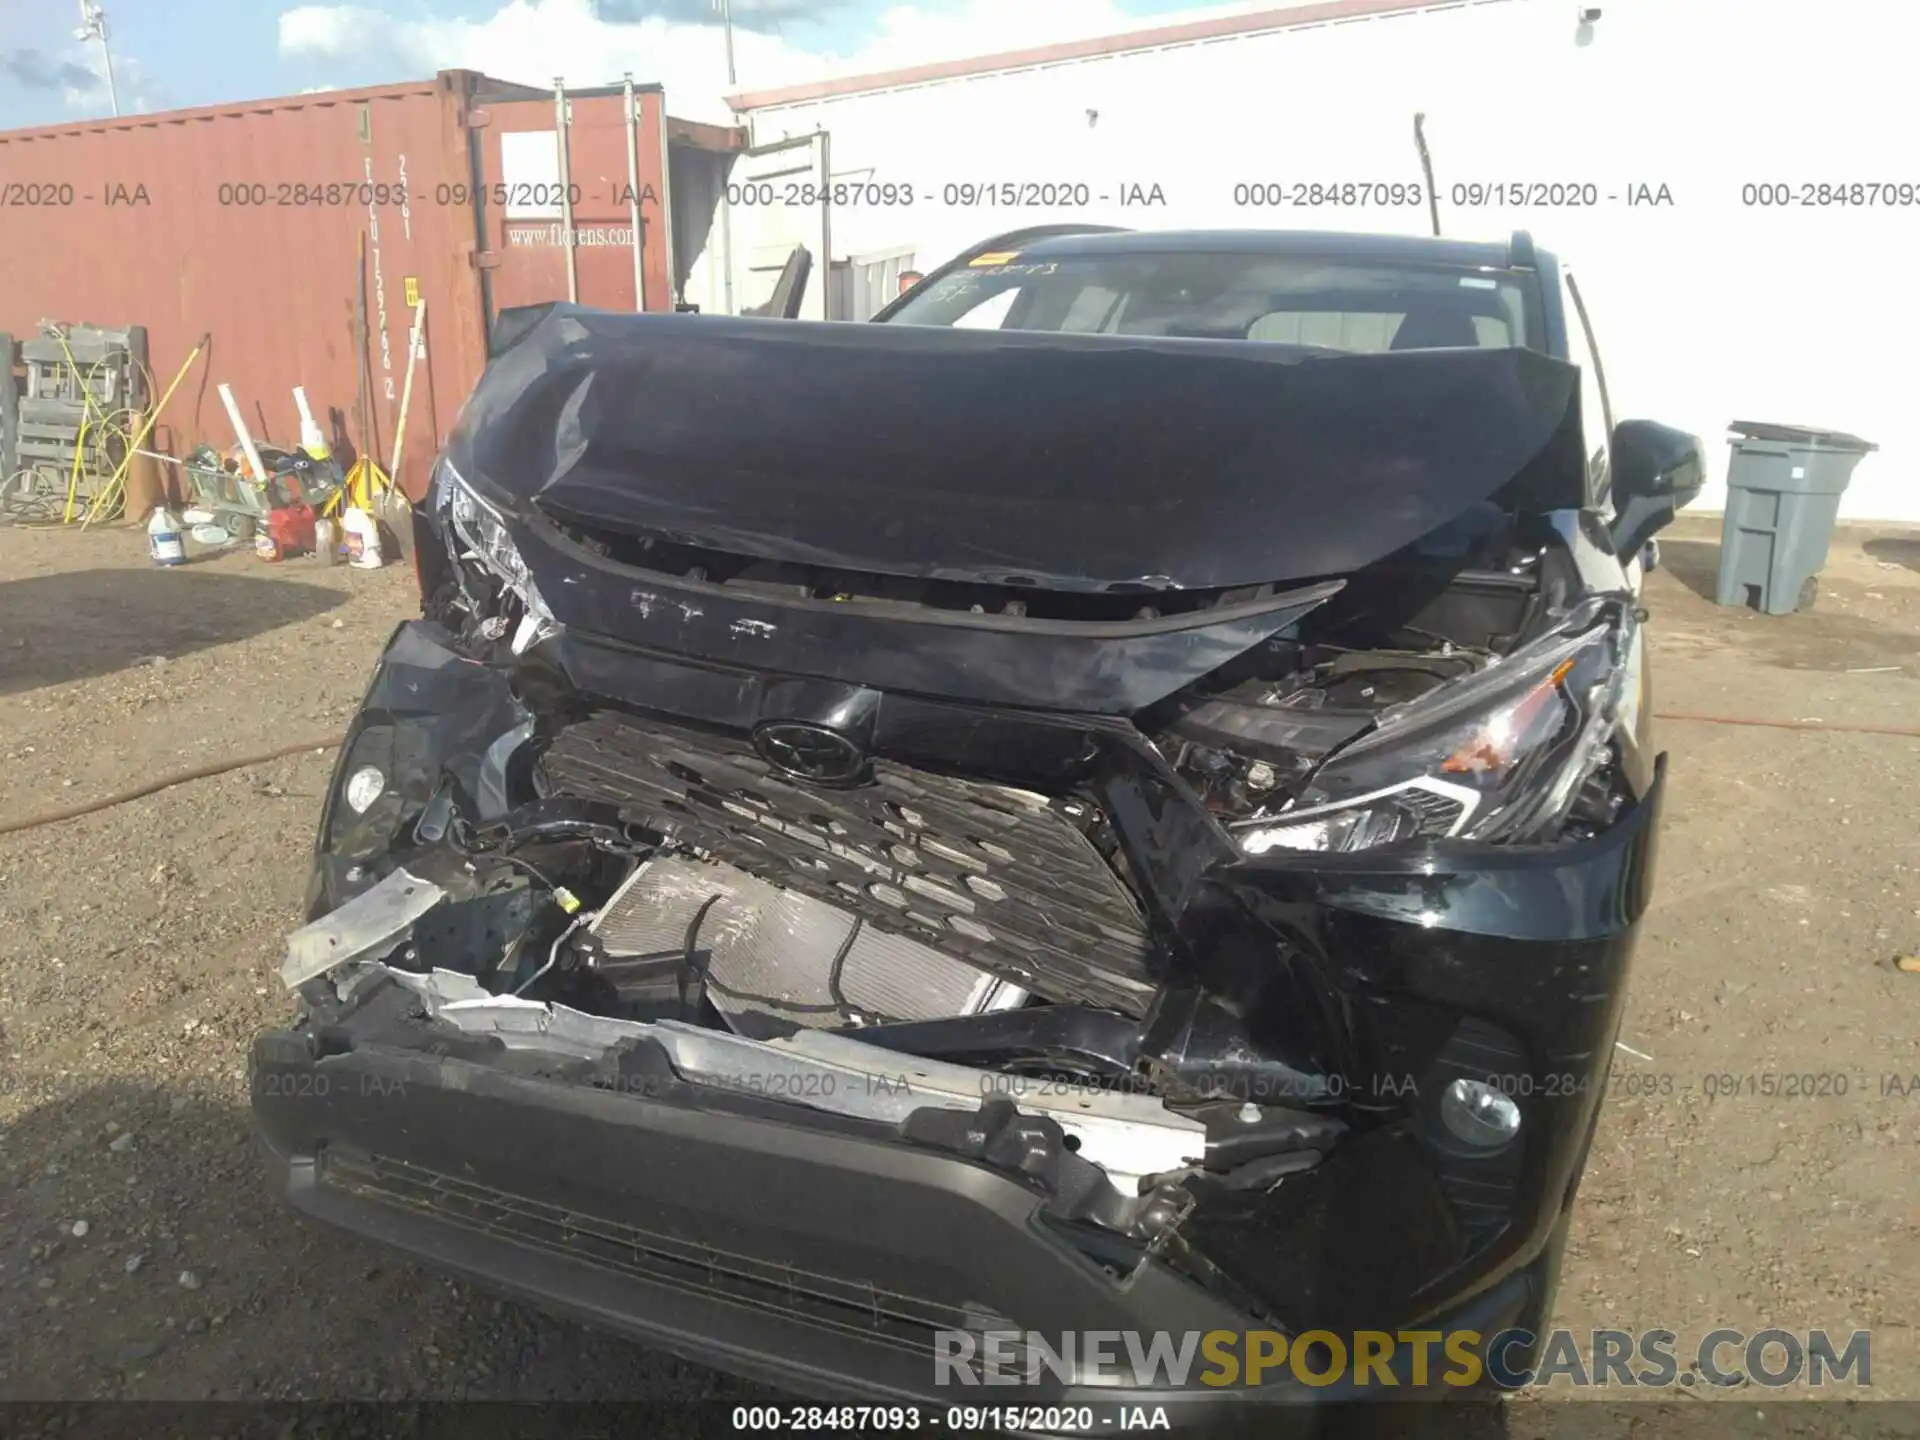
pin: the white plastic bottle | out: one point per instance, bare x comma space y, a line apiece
163, 538
363, 539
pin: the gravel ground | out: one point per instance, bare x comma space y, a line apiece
141, 1257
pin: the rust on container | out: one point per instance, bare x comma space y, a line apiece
246, 221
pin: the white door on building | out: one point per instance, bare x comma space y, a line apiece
775, 202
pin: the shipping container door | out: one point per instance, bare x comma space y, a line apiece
777, 201
558, 206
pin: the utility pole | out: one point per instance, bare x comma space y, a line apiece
725, 7
93, 26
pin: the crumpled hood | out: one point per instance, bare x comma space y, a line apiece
1070, 462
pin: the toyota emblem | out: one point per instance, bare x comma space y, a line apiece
809, 752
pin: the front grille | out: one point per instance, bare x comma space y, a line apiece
828, 1300
1002, 878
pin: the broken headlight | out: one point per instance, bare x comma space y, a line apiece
477, 538
1500, 756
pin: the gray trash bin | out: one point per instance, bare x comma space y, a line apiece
1783, 491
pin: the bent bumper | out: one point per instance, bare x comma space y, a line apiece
813, 1252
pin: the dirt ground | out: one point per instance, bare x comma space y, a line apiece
141, 1255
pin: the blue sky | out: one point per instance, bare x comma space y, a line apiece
173, 53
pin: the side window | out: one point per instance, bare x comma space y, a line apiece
1593, 399
1094, 309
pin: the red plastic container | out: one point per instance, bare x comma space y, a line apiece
289, 531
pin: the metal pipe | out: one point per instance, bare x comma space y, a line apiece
726, 239
566, 186
726, 23
633, 191
553, 955
93, 26
106, 63
240, 429
666, 209
477, 187
1426, 168
826, 224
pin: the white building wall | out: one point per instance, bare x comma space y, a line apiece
1706, 310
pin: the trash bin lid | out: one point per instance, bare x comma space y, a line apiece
1801, 435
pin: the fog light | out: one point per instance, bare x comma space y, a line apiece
364, 787
1476, 1114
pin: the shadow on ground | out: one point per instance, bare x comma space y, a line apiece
1827, 636
187, 1264
81, 623
1898, 549
1694, 563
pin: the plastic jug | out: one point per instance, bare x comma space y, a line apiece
163, 538
363, 539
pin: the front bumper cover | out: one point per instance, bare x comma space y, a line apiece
810, 1251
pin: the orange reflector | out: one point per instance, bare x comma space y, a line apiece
1487, 751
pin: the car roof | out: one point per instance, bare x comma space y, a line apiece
1418, 249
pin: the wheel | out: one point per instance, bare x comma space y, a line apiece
1809, 591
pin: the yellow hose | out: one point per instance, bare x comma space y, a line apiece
73, 475
90, 412
146, 428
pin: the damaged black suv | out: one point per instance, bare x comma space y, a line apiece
1117, 798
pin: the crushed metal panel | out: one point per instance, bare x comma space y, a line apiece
1127, 1136
367, 927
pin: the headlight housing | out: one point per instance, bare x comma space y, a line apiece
1499, 756
477, 535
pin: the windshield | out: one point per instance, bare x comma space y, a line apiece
1310, 301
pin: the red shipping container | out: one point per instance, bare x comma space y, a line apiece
246, 222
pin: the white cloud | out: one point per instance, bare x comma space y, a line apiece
532, 41
132, 86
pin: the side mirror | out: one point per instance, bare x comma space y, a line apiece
1656, 471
